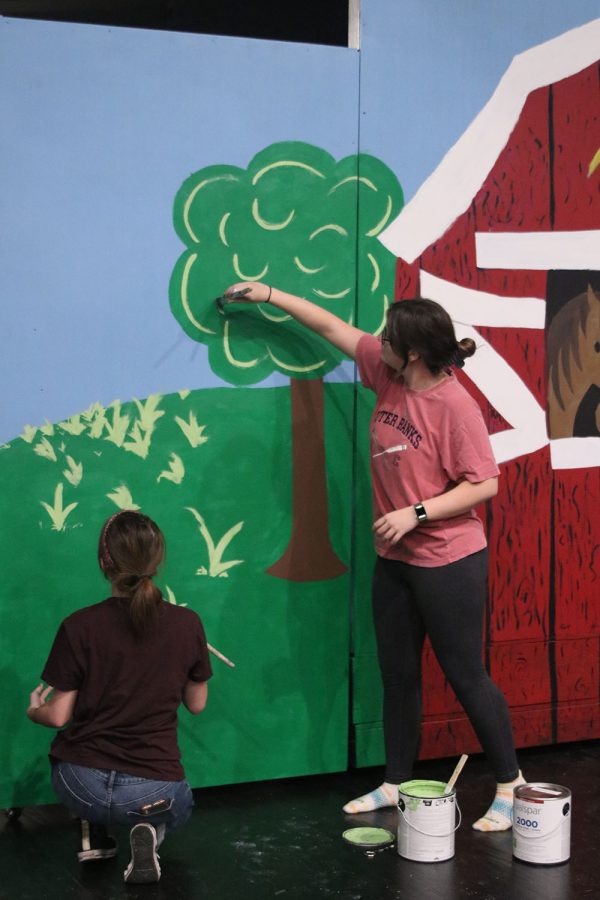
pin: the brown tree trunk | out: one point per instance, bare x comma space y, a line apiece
309, 555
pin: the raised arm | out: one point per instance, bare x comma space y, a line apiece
343, 336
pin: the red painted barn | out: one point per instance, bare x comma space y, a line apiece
518, 235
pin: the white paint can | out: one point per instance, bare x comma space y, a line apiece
542, 823
427, 821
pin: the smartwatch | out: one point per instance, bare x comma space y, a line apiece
421, 512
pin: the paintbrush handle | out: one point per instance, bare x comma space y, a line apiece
221, 657
454, 777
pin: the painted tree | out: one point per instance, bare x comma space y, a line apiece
297, 219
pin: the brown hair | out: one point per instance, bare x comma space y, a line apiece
130, 549
424, 326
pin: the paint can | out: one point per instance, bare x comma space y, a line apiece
427, 821
542, 823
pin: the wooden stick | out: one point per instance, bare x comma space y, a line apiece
221, 657
456, 773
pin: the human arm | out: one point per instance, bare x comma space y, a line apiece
458, 500
51, 707
324, 323
195, 695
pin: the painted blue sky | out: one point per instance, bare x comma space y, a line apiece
102, 125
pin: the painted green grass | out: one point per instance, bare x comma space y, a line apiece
283, 710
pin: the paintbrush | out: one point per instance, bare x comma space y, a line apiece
221, 657
454, 777
230, 298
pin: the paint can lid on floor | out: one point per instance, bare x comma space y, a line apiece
369, 838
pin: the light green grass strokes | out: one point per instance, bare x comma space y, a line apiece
57, 512
29, 433
92, 411
121, 497
74, 472
171, 597
118, 427
175, 472
73, 425
216, 567
45, 449
149, 412
143, 427
140, 441
97, 422
191, 429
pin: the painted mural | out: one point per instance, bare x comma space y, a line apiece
260, 480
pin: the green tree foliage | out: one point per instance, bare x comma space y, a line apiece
297, 219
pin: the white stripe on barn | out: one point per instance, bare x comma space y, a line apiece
449, 190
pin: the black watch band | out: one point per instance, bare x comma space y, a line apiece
421, 512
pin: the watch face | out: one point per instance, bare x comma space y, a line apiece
421, 513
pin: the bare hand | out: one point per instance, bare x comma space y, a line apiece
258, 293
38, 697
394, 525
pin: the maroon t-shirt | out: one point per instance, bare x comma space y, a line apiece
129, 689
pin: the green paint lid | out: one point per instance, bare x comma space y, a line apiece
369, 838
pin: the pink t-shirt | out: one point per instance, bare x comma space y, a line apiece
423, 443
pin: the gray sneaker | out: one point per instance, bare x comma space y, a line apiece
144, 867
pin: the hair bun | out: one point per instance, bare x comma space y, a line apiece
466, 347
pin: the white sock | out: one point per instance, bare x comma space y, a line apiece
499, 815
385, 795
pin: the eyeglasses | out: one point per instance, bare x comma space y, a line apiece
384, 338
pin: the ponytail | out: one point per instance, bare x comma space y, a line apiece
144, 603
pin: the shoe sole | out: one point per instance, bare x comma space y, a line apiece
144, 867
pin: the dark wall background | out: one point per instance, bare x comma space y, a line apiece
311, 21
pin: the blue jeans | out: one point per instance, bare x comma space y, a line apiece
106, 797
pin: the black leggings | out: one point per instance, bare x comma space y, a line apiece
446, 603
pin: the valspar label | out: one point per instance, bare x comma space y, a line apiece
542, 823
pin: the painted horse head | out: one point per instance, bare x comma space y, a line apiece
573, 348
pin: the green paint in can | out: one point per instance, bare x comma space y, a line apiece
427, 821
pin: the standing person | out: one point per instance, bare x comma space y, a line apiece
118, 671
431, 465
